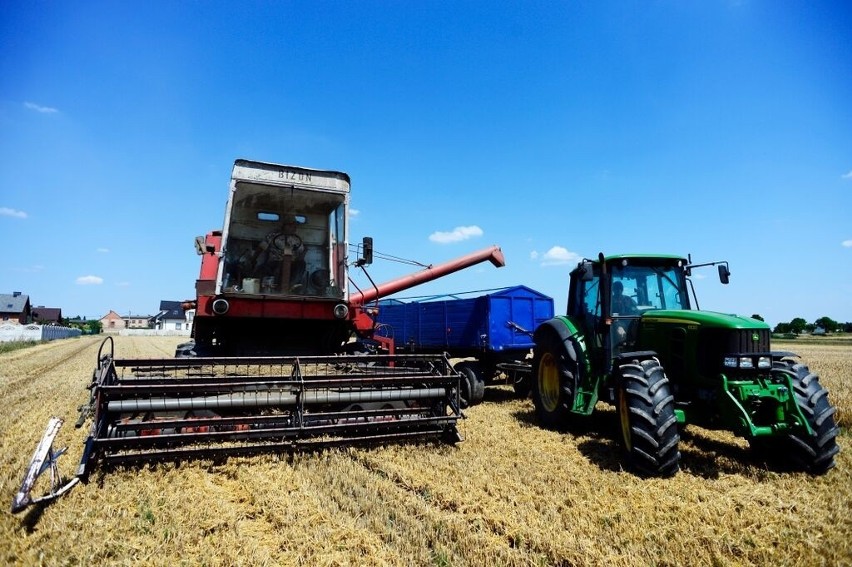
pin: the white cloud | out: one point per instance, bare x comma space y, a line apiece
847, 175
89, 280
456, 235
40, 109
534, 255
847, 243
102, 250
123, 284
559, 256
354, 212
7, 212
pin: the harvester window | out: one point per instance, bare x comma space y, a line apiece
285, 241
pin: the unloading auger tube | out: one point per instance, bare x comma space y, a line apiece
146, 410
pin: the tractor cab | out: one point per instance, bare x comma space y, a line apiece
608, 298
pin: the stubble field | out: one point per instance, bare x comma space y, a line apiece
511, 494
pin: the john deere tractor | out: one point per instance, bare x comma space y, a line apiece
633, 338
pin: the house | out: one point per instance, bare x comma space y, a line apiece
112, 322
172, 317
47, 315
15, 308
138, 321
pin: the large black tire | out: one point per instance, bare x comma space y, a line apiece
554, 375
649, 432
812, 453
522, 384
472, 384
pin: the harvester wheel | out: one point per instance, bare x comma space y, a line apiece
649, 432
554, 374
472, 384
812, 453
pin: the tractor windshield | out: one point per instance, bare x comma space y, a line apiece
636, 289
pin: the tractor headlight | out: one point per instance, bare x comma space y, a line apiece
764, 362
341, 311
730, 361
746, 362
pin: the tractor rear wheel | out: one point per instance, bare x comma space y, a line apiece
812, 453
554, 375
649, 432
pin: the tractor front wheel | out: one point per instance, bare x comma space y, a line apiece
554, 374
813, 453
649, 432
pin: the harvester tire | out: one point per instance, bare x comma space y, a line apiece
554, 375
472, 384
812, 453
649, 431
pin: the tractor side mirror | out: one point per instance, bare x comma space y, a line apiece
724, 273
367, 250
586, 273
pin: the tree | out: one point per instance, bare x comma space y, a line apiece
827, 323
93, 327
782, 328
798, 325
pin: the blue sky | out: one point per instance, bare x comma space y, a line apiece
557, 130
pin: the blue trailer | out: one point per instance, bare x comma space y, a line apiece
492, 332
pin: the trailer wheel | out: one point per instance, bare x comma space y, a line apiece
649, 433
813, 453
472, 383
554, 375
522, 384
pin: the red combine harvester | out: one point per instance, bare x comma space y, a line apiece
283, 355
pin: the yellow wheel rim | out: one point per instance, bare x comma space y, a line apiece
548, 382
624, 417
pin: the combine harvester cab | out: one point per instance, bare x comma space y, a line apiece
267, 370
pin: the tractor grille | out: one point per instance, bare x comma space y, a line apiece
714, 344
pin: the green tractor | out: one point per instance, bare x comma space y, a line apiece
632, 338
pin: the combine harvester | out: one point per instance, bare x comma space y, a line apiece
284, 356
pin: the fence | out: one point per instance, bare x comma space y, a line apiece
36, 332
153, 333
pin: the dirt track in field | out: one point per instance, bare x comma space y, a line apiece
511, 494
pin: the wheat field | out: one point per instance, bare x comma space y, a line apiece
511, 494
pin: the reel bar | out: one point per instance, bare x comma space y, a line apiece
271, 399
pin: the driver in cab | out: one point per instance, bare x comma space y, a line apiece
622, 305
